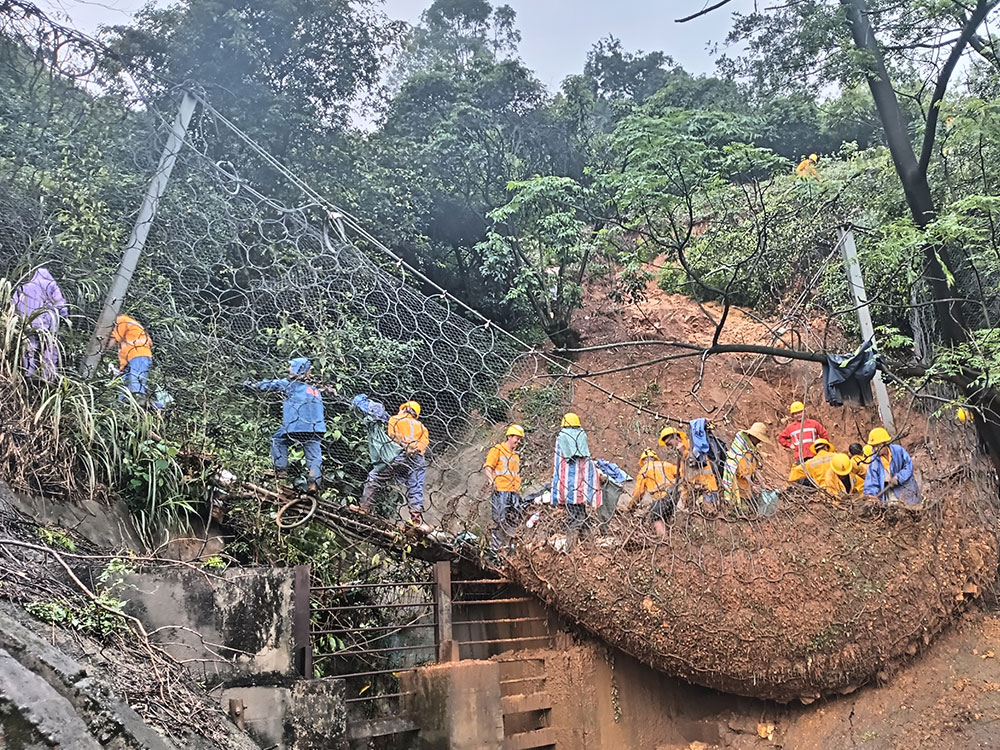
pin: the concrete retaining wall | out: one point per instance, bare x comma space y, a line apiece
237, 624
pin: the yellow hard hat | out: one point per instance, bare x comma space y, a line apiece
515, 429
759, 431
821, 443
963, 414
878, 436
797, 407
648, 454
667, 432
868, 451
841, 464
411, 405
570, 419
813, 157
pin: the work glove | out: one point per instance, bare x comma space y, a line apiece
893, 481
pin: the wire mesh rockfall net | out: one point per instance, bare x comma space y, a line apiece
247, 271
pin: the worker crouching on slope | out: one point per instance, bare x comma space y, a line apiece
135, 355
826, 470
575, 482
740, 483
860, 456
503, 467
890, 471
810, 472
302, 420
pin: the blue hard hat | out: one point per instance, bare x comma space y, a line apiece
299, 365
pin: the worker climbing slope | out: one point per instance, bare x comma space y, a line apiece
40, 303
302, 420
407, 431
806, 168
135, 355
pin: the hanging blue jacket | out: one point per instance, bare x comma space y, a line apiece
901, 467
303, 407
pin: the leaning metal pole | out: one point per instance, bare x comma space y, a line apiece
856, 283
137, 240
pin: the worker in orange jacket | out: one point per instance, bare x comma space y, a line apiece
503, 468
807, 168
135, 354
408, 468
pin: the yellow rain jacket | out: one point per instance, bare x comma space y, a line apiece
656, 478
820, 471
858, 472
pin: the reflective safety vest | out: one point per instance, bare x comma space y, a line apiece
407, 431
506, 468
800, 436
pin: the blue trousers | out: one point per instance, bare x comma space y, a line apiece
310, 442
136, 375
410, 471
507, 514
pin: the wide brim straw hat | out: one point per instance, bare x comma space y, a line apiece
759, 431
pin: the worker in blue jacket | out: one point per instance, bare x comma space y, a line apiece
890, 471
302, 420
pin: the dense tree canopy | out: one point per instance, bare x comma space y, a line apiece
515, 198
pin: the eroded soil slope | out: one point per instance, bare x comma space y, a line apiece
813, 601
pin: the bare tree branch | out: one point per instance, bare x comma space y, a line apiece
968, 31
703, 12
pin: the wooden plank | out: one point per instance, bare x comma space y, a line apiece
381, 728
529, 740
516, 704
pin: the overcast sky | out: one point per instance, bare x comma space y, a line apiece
556, 34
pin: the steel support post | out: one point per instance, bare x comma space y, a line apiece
137, 240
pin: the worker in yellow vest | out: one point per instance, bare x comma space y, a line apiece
503, 467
